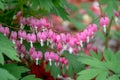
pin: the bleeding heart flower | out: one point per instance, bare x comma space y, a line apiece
104, 22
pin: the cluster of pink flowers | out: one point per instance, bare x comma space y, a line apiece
48, 56
62, 41
58, 42
35, 24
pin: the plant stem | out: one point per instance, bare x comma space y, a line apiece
102, 13
108, 33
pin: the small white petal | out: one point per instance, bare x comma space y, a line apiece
21, 40
104, 28
41, 42
50, 62
88, 39
70, 50
31, 44
81, 43
37, 61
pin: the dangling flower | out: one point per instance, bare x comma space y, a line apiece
37, 56
21, 35
22, 22
116, 14
23, 51
44, 24
34, 55
56, 59
42, 37
31, 38
64, 61
71, 44
104, 22
59, 47
32, 49
83, 38
4, 30
48, 57
13, 36
63, 38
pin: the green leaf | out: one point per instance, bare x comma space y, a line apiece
30, 77
5, 75
103, 1
15, 70
114, 77
111, 6
11, 3
115, 35
110, 56
78, 25
35, 4
6, 47
92, 61
43, 4
102, 75
111, 61
2, 4
69, 6
88, 74
118, 54
46, 4
107, 55
1, 59
59, 10
55, 70
73, 66
96, 55
110, 67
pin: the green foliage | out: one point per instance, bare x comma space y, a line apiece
30, 77
15, 70
51, 6
115, 35
1, 58
6, 47
5, 75
78, 25
55, 70
2, 4
74, 66
88, 74
109, 69
46, 5
111, 5
72, 7
59, 9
